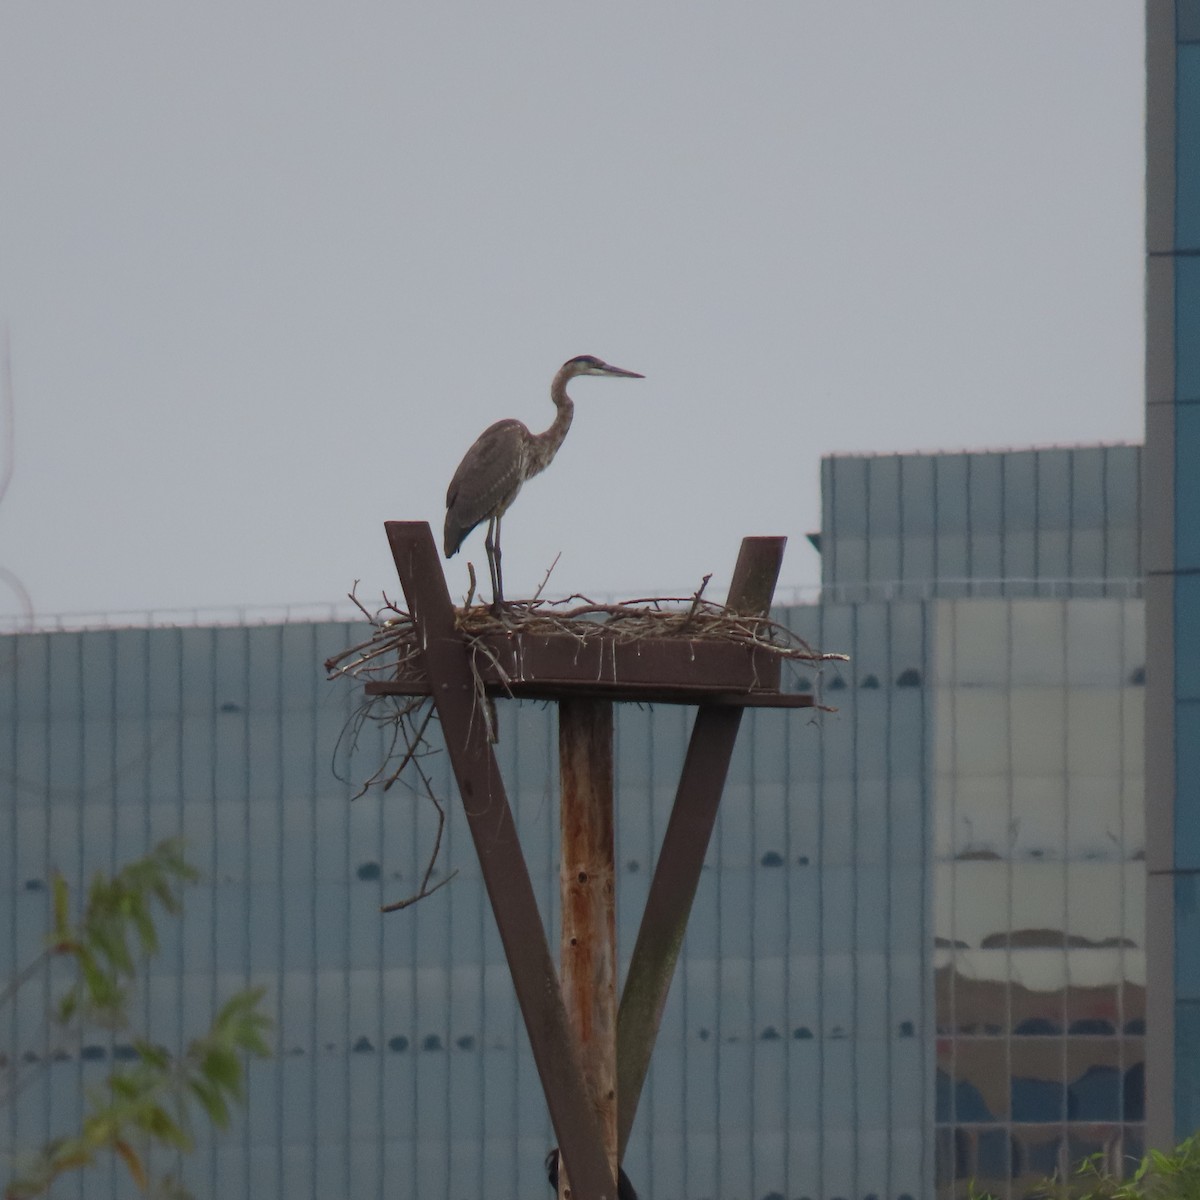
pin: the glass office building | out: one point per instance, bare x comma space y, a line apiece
794, 1055
916, 954
1039, 885
1035, 711
1172, 542
1052, 522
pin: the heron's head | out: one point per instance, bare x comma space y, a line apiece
587, 364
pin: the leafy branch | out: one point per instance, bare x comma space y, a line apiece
118, 908
1159, 1176
151, 1102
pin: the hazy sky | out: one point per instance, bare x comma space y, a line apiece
269, 268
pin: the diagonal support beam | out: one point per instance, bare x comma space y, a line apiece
685, 844
501, 860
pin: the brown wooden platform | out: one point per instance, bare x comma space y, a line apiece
650, 670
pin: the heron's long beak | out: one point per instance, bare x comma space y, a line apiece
623, 374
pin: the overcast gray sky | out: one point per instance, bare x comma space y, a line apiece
269, 268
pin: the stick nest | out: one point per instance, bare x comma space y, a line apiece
393, 650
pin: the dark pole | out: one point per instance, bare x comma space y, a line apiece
587, 880
505, 875
681, 857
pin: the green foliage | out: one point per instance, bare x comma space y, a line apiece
1159, 1176
151, 1102
118, 909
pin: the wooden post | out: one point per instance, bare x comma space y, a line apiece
681, 856
587, 881
505, 874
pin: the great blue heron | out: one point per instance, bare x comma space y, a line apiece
503, 457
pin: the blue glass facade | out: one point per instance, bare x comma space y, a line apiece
918, 953
796, 1052
1173, 562
1039, 887
1035, 679
1009, 523
1187, 582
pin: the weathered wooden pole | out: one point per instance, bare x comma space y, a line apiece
587, 881
685, 844
501, 862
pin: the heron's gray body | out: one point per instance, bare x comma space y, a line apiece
501, 459
492, 471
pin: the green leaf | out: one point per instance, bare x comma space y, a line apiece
211, 1101
124, 1086
223, 1068
159, 1124
147, 934
156, 1056
67, 1007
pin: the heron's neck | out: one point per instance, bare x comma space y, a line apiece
549, 442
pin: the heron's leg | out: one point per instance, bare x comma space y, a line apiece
489, 545
496, 552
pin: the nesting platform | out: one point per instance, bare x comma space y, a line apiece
533, 666
591, 1056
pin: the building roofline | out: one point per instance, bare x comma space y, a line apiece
1034, 449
